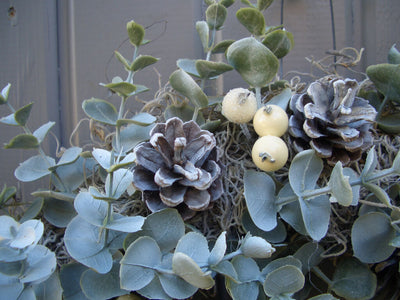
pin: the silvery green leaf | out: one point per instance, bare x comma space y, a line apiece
183, 111
186, 268
216, 15
125, 223
396, 163
219, 249
263, 4
203, 31
70, 276
323, 297
353, 176
282, 99
101, 111
122, 178
22, 141
126, 161
144, 119
316, 214
280, 262
371, 236
194, 245
188, 65
135, 32
92, 210
42, 131
166, 227
341, 190
141, 62
310, 256
211, 69
27, 294
102, 286
280, 42
154, 290
69, 156
71, 176
370, 163
252, 19
138, 264
227, 3
246, 290
175, 287
58, 212
85, 243
33, 210
283, 280
353, 280
22, 115
222, 46
25, 237
49, 289
103, 157
7, 223
379, 193
34, 168
41, 264
132, 135
9, 120
226, 268
386, 78
4, 94
259, 192
123, 60
394, 55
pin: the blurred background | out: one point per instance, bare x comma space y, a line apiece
55, 53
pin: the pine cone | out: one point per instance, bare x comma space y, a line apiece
332, 120
178, 167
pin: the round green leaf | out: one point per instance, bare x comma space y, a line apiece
247, 290
183, 111
121, 179
259, 192
70, 276
22, 115
263, 4
184, 84
227, 3
371, 236
281, 262
310, 256
280, 42
222, 46
122, 88
203, 31
284, 280
9, 120
141, 62
353, 280
386, 78
252, 19
389, 123
211, 69
188, 65
23, 141
123, 60
394, 55
194, 245
100, 110
175, 287
246, 268
255, 63
135, 32
323, 297
49, 289
154, 290
34, 168
41, 264
216, 15
58, 212
132, 135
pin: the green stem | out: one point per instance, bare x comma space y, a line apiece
317, 271
131, 73
258, 97
381, 107
233, 254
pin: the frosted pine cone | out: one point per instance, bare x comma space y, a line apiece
332, 120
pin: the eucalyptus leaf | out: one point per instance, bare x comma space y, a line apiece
143, 119
71, 176
371, 235
183, 111
69, 156
282, 99
386, 78
227, 3
370, 163
9, 120
34, 168
103, 157
310, 255
126, 161
284, 280
92, 210
176, 287
380, 193
4, 94
280, 42
58, 212
252, 19
22, 115
390, 123
184, 84
186, 268
141, 62
188, 65
341, 190
353, 176
219, 249
7, 193
222, 46
281, 262
226, 268
263, 4
70, 276
22, 141
211, 69
131, 136
394, 55
122, 88
323, 297
33, 210
100, 110
49, 289
396, 163
353, 280
135, 32
203, 31
41, 264
259, 192
125, 223
255, 63
122, 178
123, 60
215, 16
195, 246
154, 290
42, 131
138, 264
246, 290
304, 171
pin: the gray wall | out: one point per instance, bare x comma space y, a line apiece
56, 52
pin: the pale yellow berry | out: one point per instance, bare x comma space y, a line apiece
270, 153
270, 120
239, 105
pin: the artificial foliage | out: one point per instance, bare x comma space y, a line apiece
185, 200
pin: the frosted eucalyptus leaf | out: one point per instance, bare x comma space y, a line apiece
216, 15
219, 249
154, 290
310, 256
10, 287
122, 178
42, 131
188, 65
22, 115
184, 84
71, 176
7, 193
9, 120
49, 289
27, 294
246, 290
227, 3
176, 287
144, 119
125, 223
394, 55
323, 297
222, 46
103, 157
203, 31
183, 111
226, 268
102, 286
122, 88
282, 99
263, 4
259, 192
92, 210
141, 62
389, 123
186, 268
125, 162
284, 280
371, 235
280, 42
70, 276
341, 190
396, 163
353, 176
100, 110
123, 60
23, 141
85, 243
380, 193
370, 163
281, 262
316, 214
166, 227
255, 63
41, 264
33, 210
131, 136
34, 168
139, 263
353, 280
4, 94
252, 19
211, 69
194, 245
58, 212
304, 171
135, 32
386, 78
69, 156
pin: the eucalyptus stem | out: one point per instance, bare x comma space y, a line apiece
381, 107
317, 271
131, 73
232, 255
258, 96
